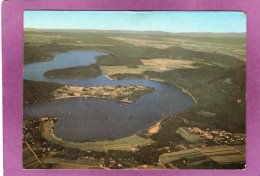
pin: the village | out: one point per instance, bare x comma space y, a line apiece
219, 136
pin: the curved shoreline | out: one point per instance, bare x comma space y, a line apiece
124, 94
107, 76
165, 95
130, 143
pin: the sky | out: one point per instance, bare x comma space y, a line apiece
168, 21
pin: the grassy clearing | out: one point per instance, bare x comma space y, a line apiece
173, 156
228, 159
157, 65
224, 154
187, 135
51, 160
118, 76
127, 143
110, 70
240, 148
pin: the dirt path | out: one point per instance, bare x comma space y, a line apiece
28, 145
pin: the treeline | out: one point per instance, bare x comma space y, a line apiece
34, 92
90, 71
43, 52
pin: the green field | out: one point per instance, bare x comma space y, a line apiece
83, 163
217, 155
188, 136
225, 154
169, 157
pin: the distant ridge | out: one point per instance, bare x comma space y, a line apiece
190, 34
96, 31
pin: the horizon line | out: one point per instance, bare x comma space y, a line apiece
131, 30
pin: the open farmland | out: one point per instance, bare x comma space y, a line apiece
82, 163
217, 155
158, 65
164, 43
169, 157
224, 154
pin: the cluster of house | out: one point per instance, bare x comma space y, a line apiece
39, 43
32, 44
39, 145
220, 136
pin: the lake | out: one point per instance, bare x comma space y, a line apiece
94, 119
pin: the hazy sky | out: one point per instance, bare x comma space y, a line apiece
169, 21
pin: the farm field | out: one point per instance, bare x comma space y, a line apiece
225, 154
29, 161
86, 163
221, 155
188, 43
188, 136
169, 157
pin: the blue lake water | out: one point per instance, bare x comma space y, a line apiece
93, 119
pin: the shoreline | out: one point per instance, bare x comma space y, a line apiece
47, 132
175, 85
107, 92
107, 76
157, 124
178, 87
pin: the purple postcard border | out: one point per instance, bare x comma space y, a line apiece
12, 43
